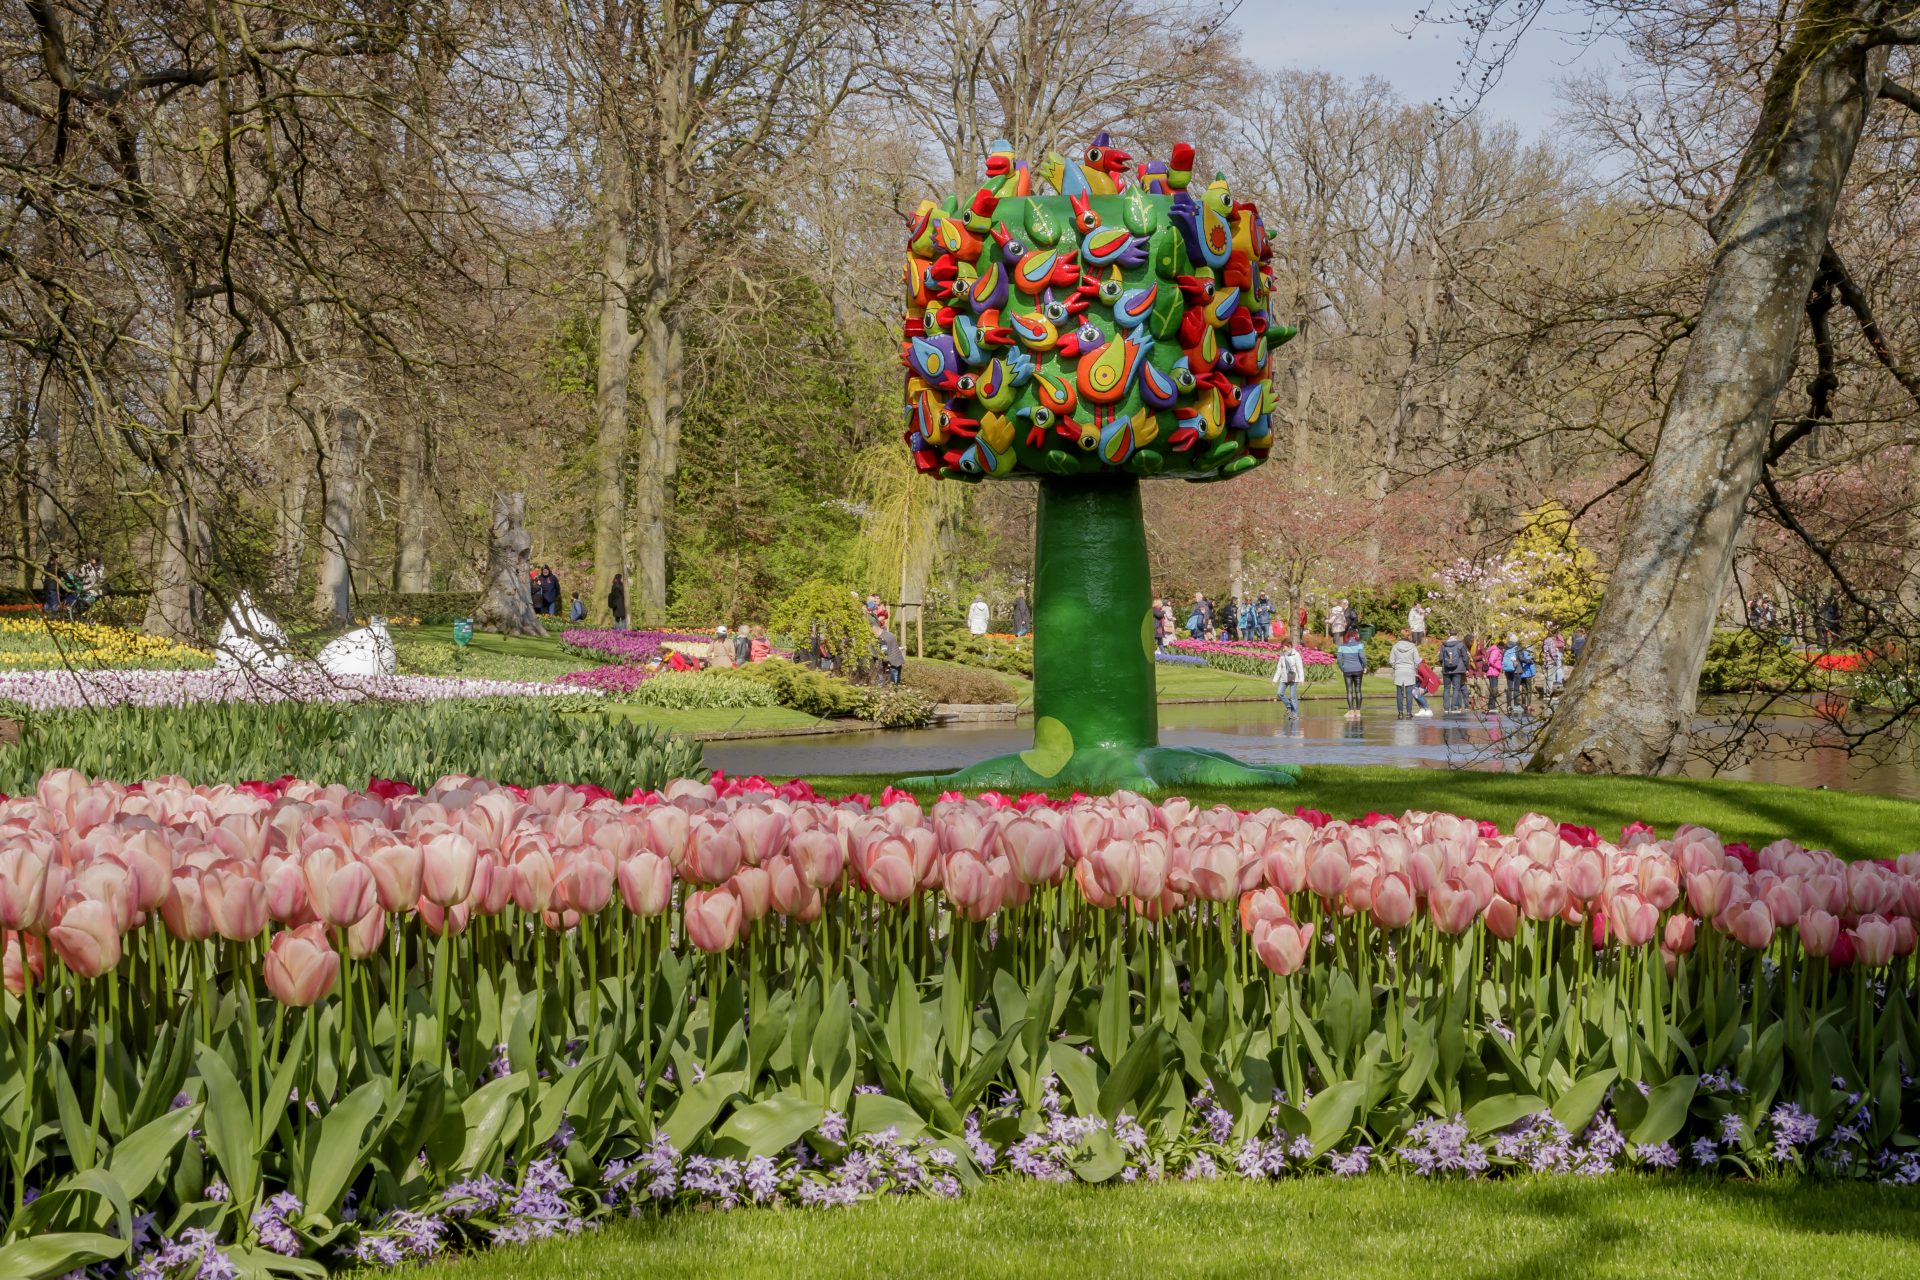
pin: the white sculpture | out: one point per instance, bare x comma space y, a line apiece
251, 641
366, 652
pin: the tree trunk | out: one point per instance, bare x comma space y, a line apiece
613, 361
413, 570
290, 539
664, 361
1630, 704
505, 605
173, 604
1096, 714
341, 469
47, 473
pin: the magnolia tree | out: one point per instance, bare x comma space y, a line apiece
1115, 331
1544, 578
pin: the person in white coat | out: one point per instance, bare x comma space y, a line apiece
978, 616
1404, 658
1288, 674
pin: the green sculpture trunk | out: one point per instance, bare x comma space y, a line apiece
1096, 719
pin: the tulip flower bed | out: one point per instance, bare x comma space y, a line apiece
606, 645
33, 643
298, 1026
72, 690
1252, 657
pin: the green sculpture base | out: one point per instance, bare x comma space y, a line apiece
1096, 714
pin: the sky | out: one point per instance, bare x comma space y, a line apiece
1356, 38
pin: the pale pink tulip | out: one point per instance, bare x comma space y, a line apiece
1502, 918
397, 869
1679, 935
713, 854
1542, 896
1328, 871
1393, 901
646, 883
713, 919
1584, 875
442, 921
1819, 931
969, 883
23, 952
301, 965
446, 869
1453, 907
186, 911
1632, 919
339, 885
533, 877
760, 832
793, 897
1262, 904
1037, 853
87, 937
24, 865
819, 857
1282, 945
1750, 924
1710, 892
754, 887
667, 831
1872, 941
890, 873
365, 935
236, 901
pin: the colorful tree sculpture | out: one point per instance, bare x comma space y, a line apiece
1085, 340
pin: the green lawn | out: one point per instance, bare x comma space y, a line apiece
1850, 823
1626, 1226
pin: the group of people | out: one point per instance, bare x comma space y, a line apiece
737, 646
543, 589
72, 591
1819, 623
1237, 619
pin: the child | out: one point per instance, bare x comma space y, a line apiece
577, 610
1287, 675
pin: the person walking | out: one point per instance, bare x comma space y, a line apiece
1417, 622
1578, 647
979, 616
1553, 651
891, 656
577, 610
1495, 668
1828, 628
1510, 668
1454, 658
1351, 658
1524, 668
1207, 613
742, 646
1301, 632
1425, 681
93, 583
1230, 619
617, 602
1337, 620
1022, 615
1288, 674
1404, 658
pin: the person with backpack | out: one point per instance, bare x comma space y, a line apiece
1496, 666
1351, 657
1510, 668
1524, 672
1197, 618
1288, 675
1404, 658
1554, 652
1454, 658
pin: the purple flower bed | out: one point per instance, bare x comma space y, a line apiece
69, 690
1269, 650
622, 646
618, 678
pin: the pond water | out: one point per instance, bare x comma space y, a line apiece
1260, 732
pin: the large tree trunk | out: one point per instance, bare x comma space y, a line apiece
47, 472
664, 366
341, 468
612, 361
173, 605
505, 605
412, 569
1630, 704
290, 538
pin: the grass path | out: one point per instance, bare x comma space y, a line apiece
1387, 1228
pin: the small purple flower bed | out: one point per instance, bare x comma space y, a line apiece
616, 679
622, 646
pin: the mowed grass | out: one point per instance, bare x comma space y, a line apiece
1385, 1227
1852, 824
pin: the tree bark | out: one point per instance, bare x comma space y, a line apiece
1630, 704
505, 605
614, 359
47, 474
341, 468
290, 540
664, 364
413, 567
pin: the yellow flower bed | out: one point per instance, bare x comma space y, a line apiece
37, 642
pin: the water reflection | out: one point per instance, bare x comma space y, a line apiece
1263, 732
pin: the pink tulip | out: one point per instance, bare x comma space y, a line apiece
713, 855
1632, 919
1086, 831
890, 874
793, 897
969, 882
397, 870
441, 921
586, 880
1453, 907
1680, 934
1393, 901
819, 857
22, 951
1542, 896
1213, 870
236, 901
365, 935
24, 865
760, 833
1285, 865
301, 966
1818, 932
1904, 936
1262, 904
186, 911
667, 831
494, 884
1086, 876
533, 877
1328, 871
286, 882
1750, 924
646, 884
446, 869
87, 937
713, 919
1502, 918
1282, 944
754, 887
339, 885
1872, 941
1036, 852
1709, 892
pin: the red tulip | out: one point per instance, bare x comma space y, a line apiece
713, 919
301, 965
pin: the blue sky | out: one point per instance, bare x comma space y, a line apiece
1354, 38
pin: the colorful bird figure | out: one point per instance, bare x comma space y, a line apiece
1033, 331
1101, 170
1104, 372
1006, 176
1203, 223
1103, 246
1135, 307
934, 362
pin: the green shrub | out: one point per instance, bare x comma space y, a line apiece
1012, 656
523, 741
687, 690
899, 707
803, 688
954, 684
1744, 661
1378, 648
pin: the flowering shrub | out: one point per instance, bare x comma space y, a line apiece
393, 1023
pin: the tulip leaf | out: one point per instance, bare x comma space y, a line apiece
1099, 1159
273, 1105
1329, 1114
339, 1150
74, 1129
1113, 1025
1138, 1068
166, 1071
985, 1068
767, 1127
230, 1131
1502, 1109
487, 1113
57, 1253
903, 1019
1078, 1074
956, 1011
137, 1159
699, 1105
1577, 1106
876, 1112
552, 1098
1666, 1111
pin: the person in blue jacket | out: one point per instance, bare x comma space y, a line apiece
1351, 657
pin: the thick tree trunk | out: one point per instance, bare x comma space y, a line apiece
341, 468
613, 360
505, 605
663, 359
413, 569
47, 473
173, 604
1630, 704
290, 538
